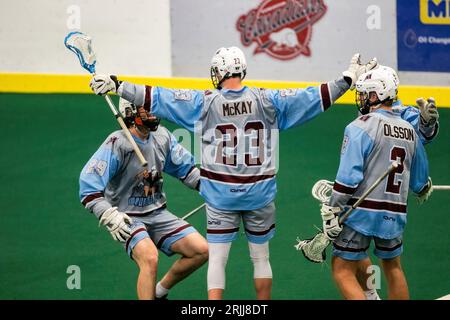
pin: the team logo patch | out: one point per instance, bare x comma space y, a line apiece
112, 140
288, 92
97, 167
179, 155
344, 144
281, 28
183, 95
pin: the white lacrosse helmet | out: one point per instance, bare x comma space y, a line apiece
226, 63
392, 73
127, 110
382, 81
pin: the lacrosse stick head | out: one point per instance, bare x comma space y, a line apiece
81, 44
314, 249
322, 190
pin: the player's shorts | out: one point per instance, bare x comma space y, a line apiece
162, 226
352, 245
223, 226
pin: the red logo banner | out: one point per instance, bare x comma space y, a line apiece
281, 28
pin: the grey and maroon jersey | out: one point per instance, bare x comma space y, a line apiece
371, 143
115, 177
238, 131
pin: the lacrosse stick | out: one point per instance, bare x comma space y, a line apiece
441, 187
81, 45
315, 249
322, 190
187, 215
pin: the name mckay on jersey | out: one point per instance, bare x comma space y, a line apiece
237, 108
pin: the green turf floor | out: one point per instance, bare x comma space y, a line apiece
44, 229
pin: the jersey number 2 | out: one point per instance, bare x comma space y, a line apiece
397, 154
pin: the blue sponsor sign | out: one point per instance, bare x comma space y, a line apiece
423, 35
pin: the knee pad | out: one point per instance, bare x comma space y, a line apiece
259, 253
218, 258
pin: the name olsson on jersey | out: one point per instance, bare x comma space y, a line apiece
398, 132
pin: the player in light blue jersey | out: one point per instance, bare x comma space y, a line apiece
130, 202
424, 119
371, 143
238, 127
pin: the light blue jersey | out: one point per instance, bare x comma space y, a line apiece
371, 143
239, 132
115, 177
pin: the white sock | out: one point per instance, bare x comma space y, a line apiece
160, 290
372, 294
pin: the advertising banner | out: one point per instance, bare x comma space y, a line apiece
423, 35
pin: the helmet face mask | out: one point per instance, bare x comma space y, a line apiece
375, 88
365, 101
227, 63
138, 116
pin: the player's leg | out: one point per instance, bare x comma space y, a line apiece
396, 280
262, 271
143, 251
344, 274
223, 227
193, 249
173, 235
217, 263
363, 276
260, 228
349, 249
389, 252
146, 256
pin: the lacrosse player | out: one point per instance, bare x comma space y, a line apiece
129, 200
371, 142
424, 118
239, 126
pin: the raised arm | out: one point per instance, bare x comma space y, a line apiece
182, 107
297, 106
424, 118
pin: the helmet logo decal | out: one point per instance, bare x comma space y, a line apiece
281, 28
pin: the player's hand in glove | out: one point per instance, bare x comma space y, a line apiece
117, 224
102, 84
429, 114
426, 192
331, 226
356, 69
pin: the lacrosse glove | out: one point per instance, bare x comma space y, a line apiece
102, 84
331, 226
117, 224
356, 69
429, 114
426, 192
